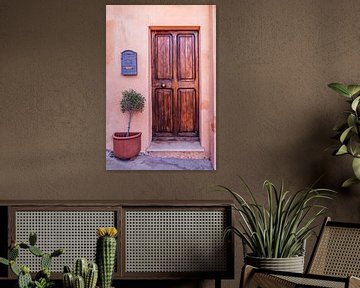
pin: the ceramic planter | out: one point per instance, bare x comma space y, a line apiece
126, 147
291, 264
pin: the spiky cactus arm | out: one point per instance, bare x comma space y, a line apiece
91, 276
106, 254
68, 280
80, 268
79, 282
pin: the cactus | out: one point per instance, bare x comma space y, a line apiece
91, 276
13, 253
42, 278
24, 280
14, 268
68, 280
36, 251
105, 254
45, 261
88, 273
79, 282
44, 273
80, 268
32, 238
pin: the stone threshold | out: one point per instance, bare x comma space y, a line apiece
176, 149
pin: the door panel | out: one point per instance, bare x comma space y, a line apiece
186, 57
175, 84
164, 57
187, 107
163, 102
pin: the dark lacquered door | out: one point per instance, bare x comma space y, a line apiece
175, 84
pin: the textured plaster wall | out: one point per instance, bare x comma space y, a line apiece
127, 27
275, 113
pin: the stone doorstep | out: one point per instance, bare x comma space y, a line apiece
176, 149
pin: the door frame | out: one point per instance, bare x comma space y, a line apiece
177, 28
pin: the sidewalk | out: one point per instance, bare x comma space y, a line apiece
145, 162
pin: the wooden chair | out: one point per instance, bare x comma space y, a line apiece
334, 263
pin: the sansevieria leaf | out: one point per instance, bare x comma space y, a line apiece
279, 228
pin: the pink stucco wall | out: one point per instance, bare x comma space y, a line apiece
127, 27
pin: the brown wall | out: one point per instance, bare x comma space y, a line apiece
275, 112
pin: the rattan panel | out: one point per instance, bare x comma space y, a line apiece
75, 231
175, 241
313, 282
338, 253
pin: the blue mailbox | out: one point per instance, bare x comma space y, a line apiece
128, 63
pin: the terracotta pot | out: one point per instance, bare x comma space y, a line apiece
126, 147
291, 264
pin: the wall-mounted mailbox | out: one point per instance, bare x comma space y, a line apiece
128, 63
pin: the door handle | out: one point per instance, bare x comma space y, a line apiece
163, 85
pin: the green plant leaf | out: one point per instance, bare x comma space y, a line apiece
356, 167
351, 120
354, 145
345, 134
355, 103
353, 89
349, 182
342, 150
4, 261
340, 88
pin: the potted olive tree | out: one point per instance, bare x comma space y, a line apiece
128, 144
348, 132
274, 234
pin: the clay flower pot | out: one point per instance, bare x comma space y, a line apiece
126, 147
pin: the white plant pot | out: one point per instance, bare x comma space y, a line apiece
291, 264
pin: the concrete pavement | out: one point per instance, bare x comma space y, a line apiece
146, 162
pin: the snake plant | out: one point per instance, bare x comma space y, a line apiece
279, 228
348, 132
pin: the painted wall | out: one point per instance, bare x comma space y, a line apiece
127, 27
275, 113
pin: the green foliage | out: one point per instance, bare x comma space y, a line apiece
348, 132
42, 278
279, 229
43, 283
131, 102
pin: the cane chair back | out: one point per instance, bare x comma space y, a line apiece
337, 252
335, 262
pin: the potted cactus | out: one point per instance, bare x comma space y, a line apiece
85, 275
106, 254
127, 145
42, 278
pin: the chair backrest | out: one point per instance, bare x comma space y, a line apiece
337, 251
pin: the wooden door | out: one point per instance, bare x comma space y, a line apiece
175, 85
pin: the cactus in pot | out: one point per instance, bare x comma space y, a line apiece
85, 275
106, 254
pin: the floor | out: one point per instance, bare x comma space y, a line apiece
146, 162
